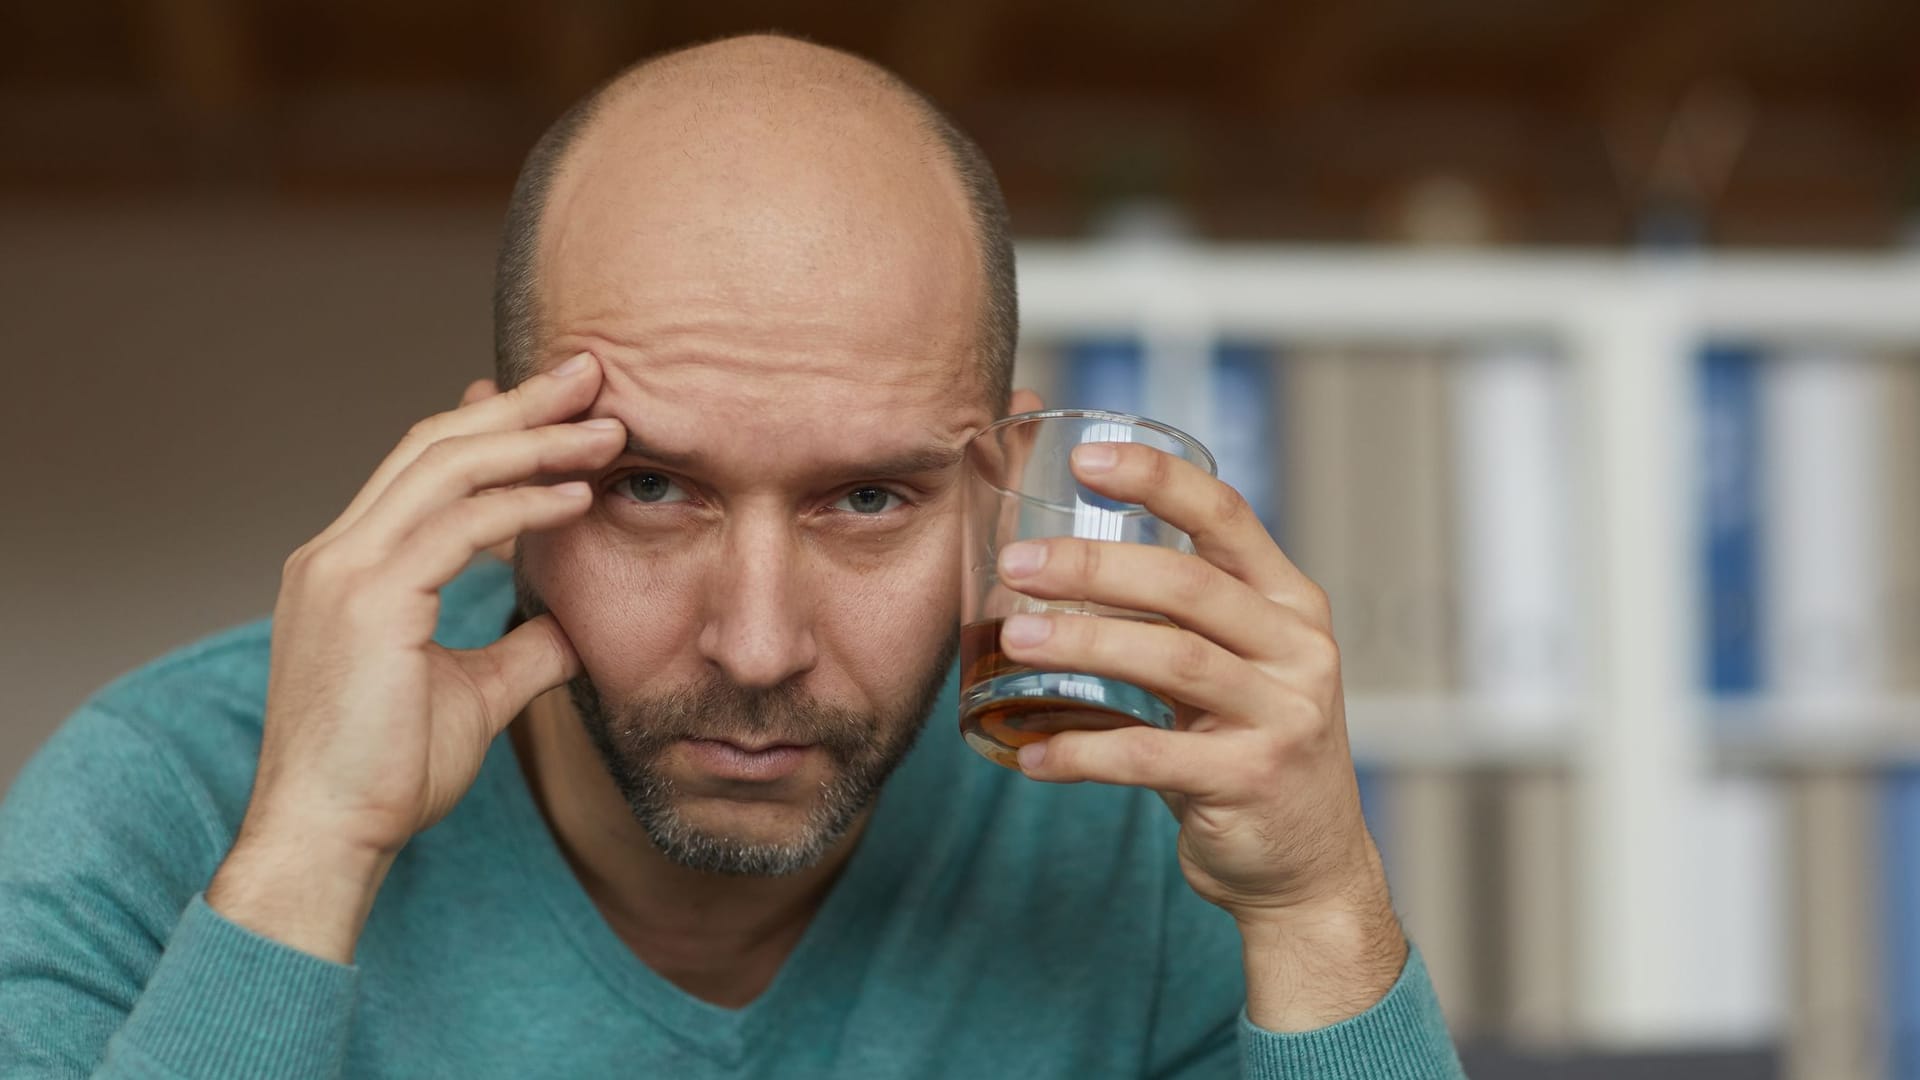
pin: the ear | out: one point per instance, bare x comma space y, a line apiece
1024, 400
481, 390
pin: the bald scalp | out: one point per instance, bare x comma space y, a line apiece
768, 72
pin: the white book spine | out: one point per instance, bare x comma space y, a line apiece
1512, 472
1517, 624
1824, 525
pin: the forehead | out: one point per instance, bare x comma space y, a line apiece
772, 247
753, 424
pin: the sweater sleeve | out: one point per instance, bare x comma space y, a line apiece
1199, 1028
111, 963
1402, 1037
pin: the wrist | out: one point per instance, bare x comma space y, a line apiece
304, 889
1311, 967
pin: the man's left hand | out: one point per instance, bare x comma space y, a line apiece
1257, 771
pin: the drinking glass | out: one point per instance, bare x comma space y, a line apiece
1018, 486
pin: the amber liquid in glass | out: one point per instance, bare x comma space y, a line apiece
999, 724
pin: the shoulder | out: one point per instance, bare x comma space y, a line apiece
180, 734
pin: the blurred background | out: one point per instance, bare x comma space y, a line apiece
1573, 347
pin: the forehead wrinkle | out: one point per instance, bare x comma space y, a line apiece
745, 422
658, 362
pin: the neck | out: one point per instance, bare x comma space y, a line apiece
722, 933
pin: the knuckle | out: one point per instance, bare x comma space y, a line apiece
1191, 579
1319, 649
1319, 605
295, 565
1269, 759
440, 454
1136, 756
1190, 660
426, 432
1306, 723
1230, 508
1158, 468
1087, 565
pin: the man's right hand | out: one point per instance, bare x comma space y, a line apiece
373, 731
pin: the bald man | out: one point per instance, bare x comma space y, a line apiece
754, 297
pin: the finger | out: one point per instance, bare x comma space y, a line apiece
478, 390
534, 657
1024, 400
457, 467
1185, 588
544, 399
440, 548
1156, 655
1184, 762
1216, 517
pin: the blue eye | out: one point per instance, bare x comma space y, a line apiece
651, 487
867, 501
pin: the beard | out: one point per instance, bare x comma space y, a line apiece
862, 749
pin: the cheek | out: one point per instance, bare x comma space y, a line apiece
884, 622
629, 613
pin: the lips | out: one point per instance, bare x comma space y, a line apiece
730, 761
756, 748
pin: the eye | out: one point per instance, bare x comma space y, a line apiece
867, 501
651, 487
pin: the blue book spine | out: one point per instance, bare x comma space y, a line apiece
1730, 493
1901, 836
1104, 373
1244, 440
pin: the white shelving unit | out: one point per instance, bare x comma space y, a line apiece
1637, 745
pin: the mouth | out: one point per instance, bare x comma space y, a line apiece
762, 763
756, 748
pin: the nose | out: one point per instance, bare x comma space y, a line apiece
759, 613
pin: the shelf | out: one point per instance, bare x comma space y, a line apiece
1760, 735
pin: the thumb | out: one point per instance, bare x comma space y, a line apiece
526, 662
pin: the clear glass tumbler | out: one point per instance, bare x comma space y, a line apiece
1018, 486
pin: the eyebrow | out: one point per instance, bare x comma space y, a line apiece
919, 461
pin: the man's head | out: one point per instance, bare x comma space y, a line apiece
797, 279
517, 324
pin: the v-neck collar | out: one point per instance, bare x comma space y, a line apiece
865, 890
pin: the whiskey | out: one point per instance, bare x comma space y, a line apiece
1005, 705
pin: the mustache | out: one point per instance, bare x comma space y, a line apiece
723, 710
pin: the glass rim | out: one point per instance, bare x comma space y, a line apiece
1130, 419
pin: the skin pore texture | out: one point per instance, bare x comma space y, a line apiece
777, 270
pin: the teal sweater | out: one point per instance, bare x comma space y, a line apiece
985, 926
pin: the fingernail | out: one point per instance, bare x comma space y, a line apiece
1032, 754
1023, 559
606, 423
572, 489
1095, 457
572, 367
1026, 629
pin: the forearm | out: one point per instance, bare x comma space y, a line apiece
1310, 969
1339, 993
309, 892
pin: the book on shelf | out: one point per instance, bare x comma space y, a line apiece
1103, 373
1512, 489
1367, 455
1736, 826
1821, 574
1899, 896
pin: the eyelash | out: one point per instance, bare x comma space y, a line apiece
901, 500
